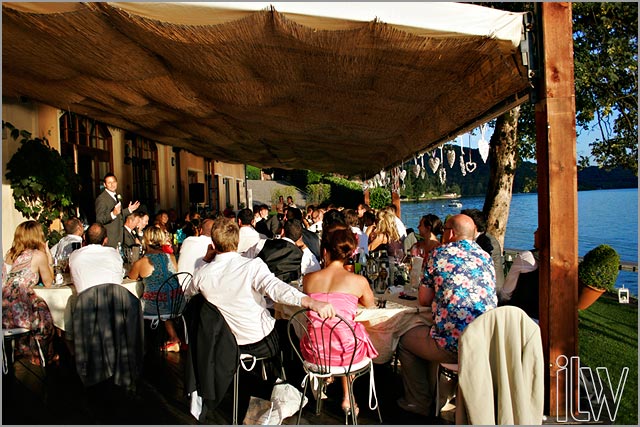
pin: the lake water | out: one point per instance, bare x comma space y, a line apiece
604, 216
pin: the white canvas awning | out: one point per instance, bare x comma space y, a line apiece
335, 87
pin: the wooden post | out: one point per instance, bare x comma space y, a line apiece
366, 197
395, 199
557, 200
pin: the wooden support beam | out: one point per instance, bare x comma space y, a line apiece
395, 199
557, 200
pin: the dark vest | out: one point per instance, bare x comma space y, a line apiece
526, 295
283, 259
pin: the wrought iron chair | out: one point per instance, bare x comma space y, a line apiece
171, 295
319, 369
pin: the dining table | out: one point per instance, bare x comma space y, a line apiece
386, 322
61, 299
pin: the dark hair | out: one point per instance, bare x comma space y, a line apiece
351, 217
109, 174
293, 213
478, 217
339, 242
190, 228
72, 225
332, 216
96, 234
293, 229
245, 216
370, 216
432, 221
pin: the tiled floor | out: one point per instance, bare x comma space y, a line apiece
55, 395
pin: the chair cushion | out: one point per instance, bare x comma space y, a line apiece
338, 370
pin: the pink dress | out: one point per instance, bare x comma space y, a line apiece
342, 344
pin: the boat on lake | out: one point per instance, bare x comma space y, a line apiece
455, 204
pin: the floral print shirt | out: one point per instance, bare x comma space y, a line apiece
463, 277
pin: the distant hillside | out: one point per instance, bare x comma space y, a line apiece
593, 178
525, 180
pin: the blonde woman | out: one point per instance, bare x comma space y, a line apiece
385, 235
27, 263
154, 268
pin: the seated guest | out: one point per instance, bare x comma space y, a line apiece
250, 239
344, 290
488, 242
261, 225
96, 263
521, 286
26, 263
402, 229
311, 240
74, 230
130, 239
369, 221
315, 225
144, 221
194, 248
283, 256
154, 268
352, 220
459, 284
385, 235
429, 228
236, 285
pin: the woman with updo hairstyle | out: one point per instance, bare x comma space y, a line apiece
430, 227
344, 290
154, 268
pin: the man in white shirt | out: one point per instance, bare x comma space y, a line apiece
95, 263
74, 230
236, 285
194, 248
251, 241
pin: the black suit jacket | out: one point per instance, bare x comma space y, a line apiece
104, 205
283, 259
128, 239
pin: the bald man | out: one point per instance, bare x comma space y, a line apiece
459, 285
194, 248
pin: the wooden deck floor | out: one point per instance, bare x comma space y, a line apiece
55, 395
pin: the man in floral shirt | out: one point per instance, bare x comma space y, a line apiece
459, 284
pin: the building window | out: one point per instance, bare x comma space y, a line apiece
227, 192
87, 144
144, 161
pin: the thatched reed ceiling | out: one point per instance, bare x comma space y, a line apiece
262, 87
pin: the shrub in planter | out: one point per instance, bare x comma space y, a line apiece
599, 268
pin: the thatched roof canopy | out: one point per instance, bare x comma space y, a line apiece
274, 86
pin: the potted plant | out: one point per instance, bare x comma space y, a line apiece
42, 181
597, 273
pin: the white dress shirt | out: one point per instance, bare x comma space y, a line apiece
63, 247
309, 262
402, 230
94, 265
363, 239
192, 249
525, 262
237, 286
248, 238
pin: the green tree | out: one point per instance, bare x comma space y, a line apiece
606, 76
42, 181
253, 172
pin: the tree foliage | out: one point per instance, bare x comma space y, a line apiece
41, 179
379, 197
606, 77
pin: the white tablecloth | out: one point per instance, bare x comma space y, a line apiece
62, 299
384, 325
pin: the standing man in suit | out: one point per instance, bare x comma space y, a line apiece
109, 210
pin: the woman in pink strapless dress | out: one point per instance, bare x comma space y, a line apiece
344, 290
